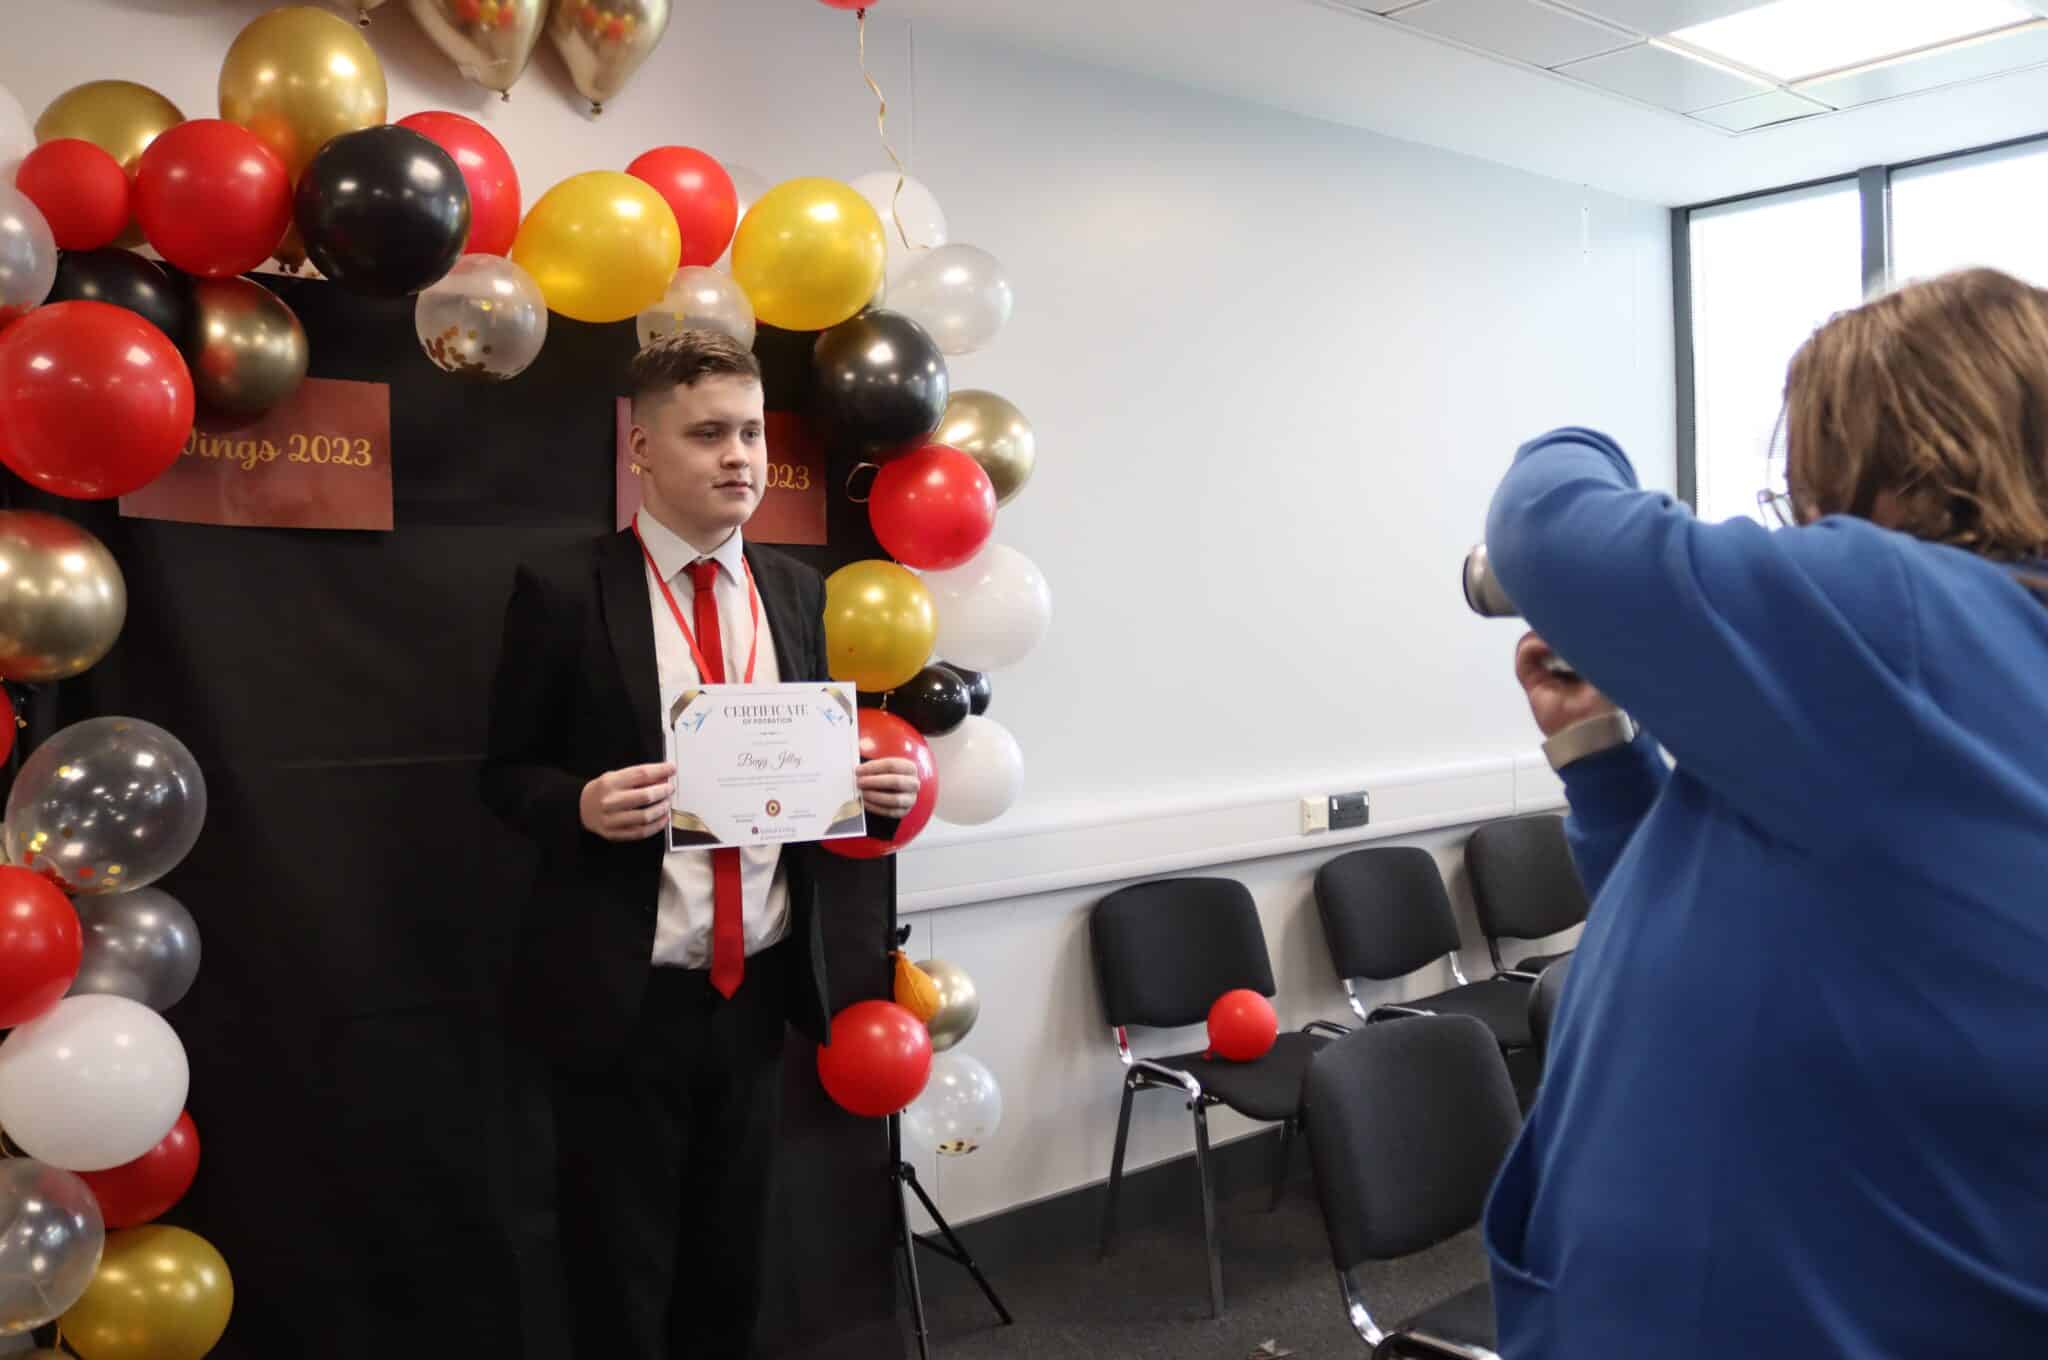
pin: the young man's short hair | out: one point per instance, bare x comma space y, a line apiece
684, 359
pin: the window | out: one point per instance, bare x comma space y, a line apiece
1986, 209
1765, 273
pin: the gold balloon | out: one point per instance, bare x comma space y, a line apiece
489, 43
959, 1003
119, 117
62, 598
879, 624
603, 42
602, 245
160, 1294
994, 434
299, 77
248, 351
809, 255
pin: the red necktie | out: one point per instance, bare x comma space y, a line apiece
728, 941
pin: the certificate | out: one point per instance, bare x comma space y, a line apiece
764, 765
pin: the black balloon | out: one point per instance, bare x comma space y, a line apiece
881, 381
125, 279
869, 699
383, 211
934, 701
979, 690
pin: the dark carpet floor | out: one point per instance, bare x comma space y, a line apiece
1150, 1300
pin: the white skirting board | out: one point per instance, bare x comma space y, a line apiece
1106, 841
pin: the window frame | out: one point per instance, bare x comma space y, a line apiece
1874, 190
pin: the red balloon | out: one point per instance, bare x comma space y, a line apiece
706, 205
8, 725
212, 198
1242, 1026
146, 1188
878, 1061
845, 4
486, 171
94, 401
82, 191
40, 945
933, 508
883, 735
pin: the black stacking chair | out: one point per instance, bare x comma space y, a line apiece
1407, 1124
1386, 915
1163, 953
1543, 998
1524, 886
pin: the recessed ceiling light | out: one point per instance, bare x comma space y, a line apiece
1798, 39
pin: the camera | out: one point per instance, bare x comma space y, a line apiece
1483, 591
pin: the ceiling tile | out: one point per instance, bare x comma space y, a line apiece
1760, 110
1659, 17
1663, 78
1521, 29
2011, 50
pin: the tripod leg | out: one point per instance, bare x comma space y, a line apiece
908, 1244
961, 1254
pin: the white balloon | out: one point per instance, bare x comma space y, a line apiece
28, 254
748, 186
699, 299
959, 293
959, 1109
981, 772
17, 136
92, 1083
923, 220
992, 610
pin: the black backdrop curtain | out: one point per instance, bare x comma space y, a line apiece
376, 1158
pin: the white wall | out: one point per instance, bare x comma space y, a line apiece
1276, 367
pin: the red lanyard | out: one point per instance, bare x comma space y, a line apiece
704, 675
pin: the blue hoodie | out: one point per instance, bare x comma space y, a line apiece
1796, 1101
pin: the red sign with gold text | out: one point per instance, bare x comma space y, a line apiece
321, 459
792, 508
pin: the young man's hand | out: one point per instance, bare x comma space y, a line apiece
888, 787
629, 804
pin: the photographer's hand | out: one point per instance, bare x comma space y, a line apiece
1556, 699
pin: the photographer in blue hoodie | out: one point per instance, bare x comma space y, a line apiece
1796, 1101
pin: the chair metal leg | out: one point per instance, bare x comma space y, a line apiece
1116, 1170
1280, 1163
1201, 1113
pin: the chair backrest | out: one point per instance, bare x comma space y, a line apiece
1385, 912
1543, 999
1524, 884
1165, 951
1408, 1120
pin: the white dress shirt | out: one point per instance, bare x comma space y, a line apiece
682, 927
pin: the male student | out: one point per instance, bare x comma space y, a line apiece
660, 982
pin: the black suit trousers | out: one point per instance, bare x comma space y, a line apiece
665, 1160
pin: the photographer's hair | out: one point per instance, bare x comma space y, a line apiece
684, 359
1938, 394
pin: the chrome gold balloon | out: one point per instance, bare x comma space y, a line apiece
247, 350
119, 117
160, 1294
959, 1003
603, 42
299, 77
490, 43
62, 598
995, 434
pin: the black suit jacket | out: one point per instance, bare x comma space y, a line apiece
577, 694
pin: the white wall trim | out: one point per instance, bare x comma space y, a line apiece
1107, 841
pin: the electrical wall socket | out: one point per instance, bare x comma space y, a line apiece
1315, 815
